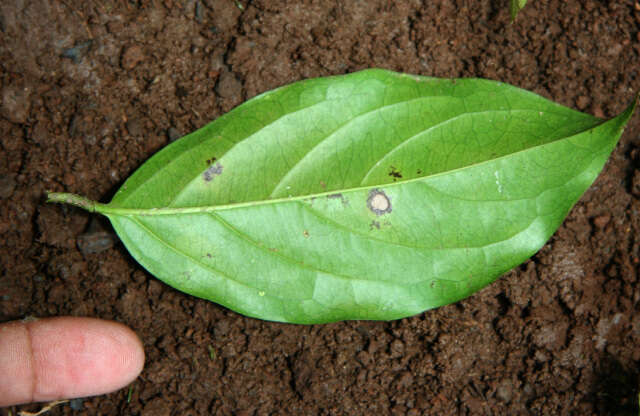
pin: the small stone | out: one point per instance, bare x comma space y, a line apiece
131, 57
78, 51
582, 102
76, 404
15, 103
597, 111
7, 186
95, 242
396, 348
157, 407
173, 134
115, 27
601, 221
405, 379
228, 86
505, 391
95, 239
134, 127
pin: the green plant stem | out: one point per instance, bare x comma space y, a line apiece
73, 199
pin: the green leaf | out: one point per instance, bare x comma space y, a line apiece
515, 6
373, 195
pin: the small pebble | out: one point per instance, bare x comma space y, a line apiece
92, 243
228, 86
76, 404
95, 240
582, 102
134, 127
7, 186
131, 57
78, 51
601, 221
173, 134
15, 103
505, 391
597, 111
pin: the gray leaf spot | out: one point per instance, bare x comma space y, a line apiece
378, 202
211, 172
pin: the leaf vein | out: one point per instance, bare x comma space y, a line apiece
186, 255
246, 237
334, 132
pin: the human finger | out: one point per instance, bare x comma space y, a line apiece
66, 357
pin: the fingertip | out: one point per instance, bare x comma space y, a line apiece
78, 357
66, 357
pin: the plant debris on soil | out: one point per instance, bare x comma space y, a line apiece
90, 90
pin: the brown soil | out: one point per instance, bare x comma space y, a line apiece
89, 90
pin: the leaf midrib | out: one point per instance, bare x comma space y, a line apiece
106, 209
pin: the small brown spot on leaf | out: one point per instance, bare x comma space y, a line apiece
323, 185
210, 161
378, 202
211, 172
209, 255
374, 224
305, 233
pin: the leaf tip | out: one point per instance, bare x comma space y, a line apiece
628, 113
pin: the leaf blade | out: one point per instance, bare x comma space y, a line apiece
421, 231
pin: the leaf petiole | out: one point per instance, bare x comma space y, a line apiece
73, 199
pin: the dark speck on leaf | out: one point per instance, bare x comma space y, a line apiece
378, 202
341, 197
210, 161
374, 224
394, 173
211, 172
